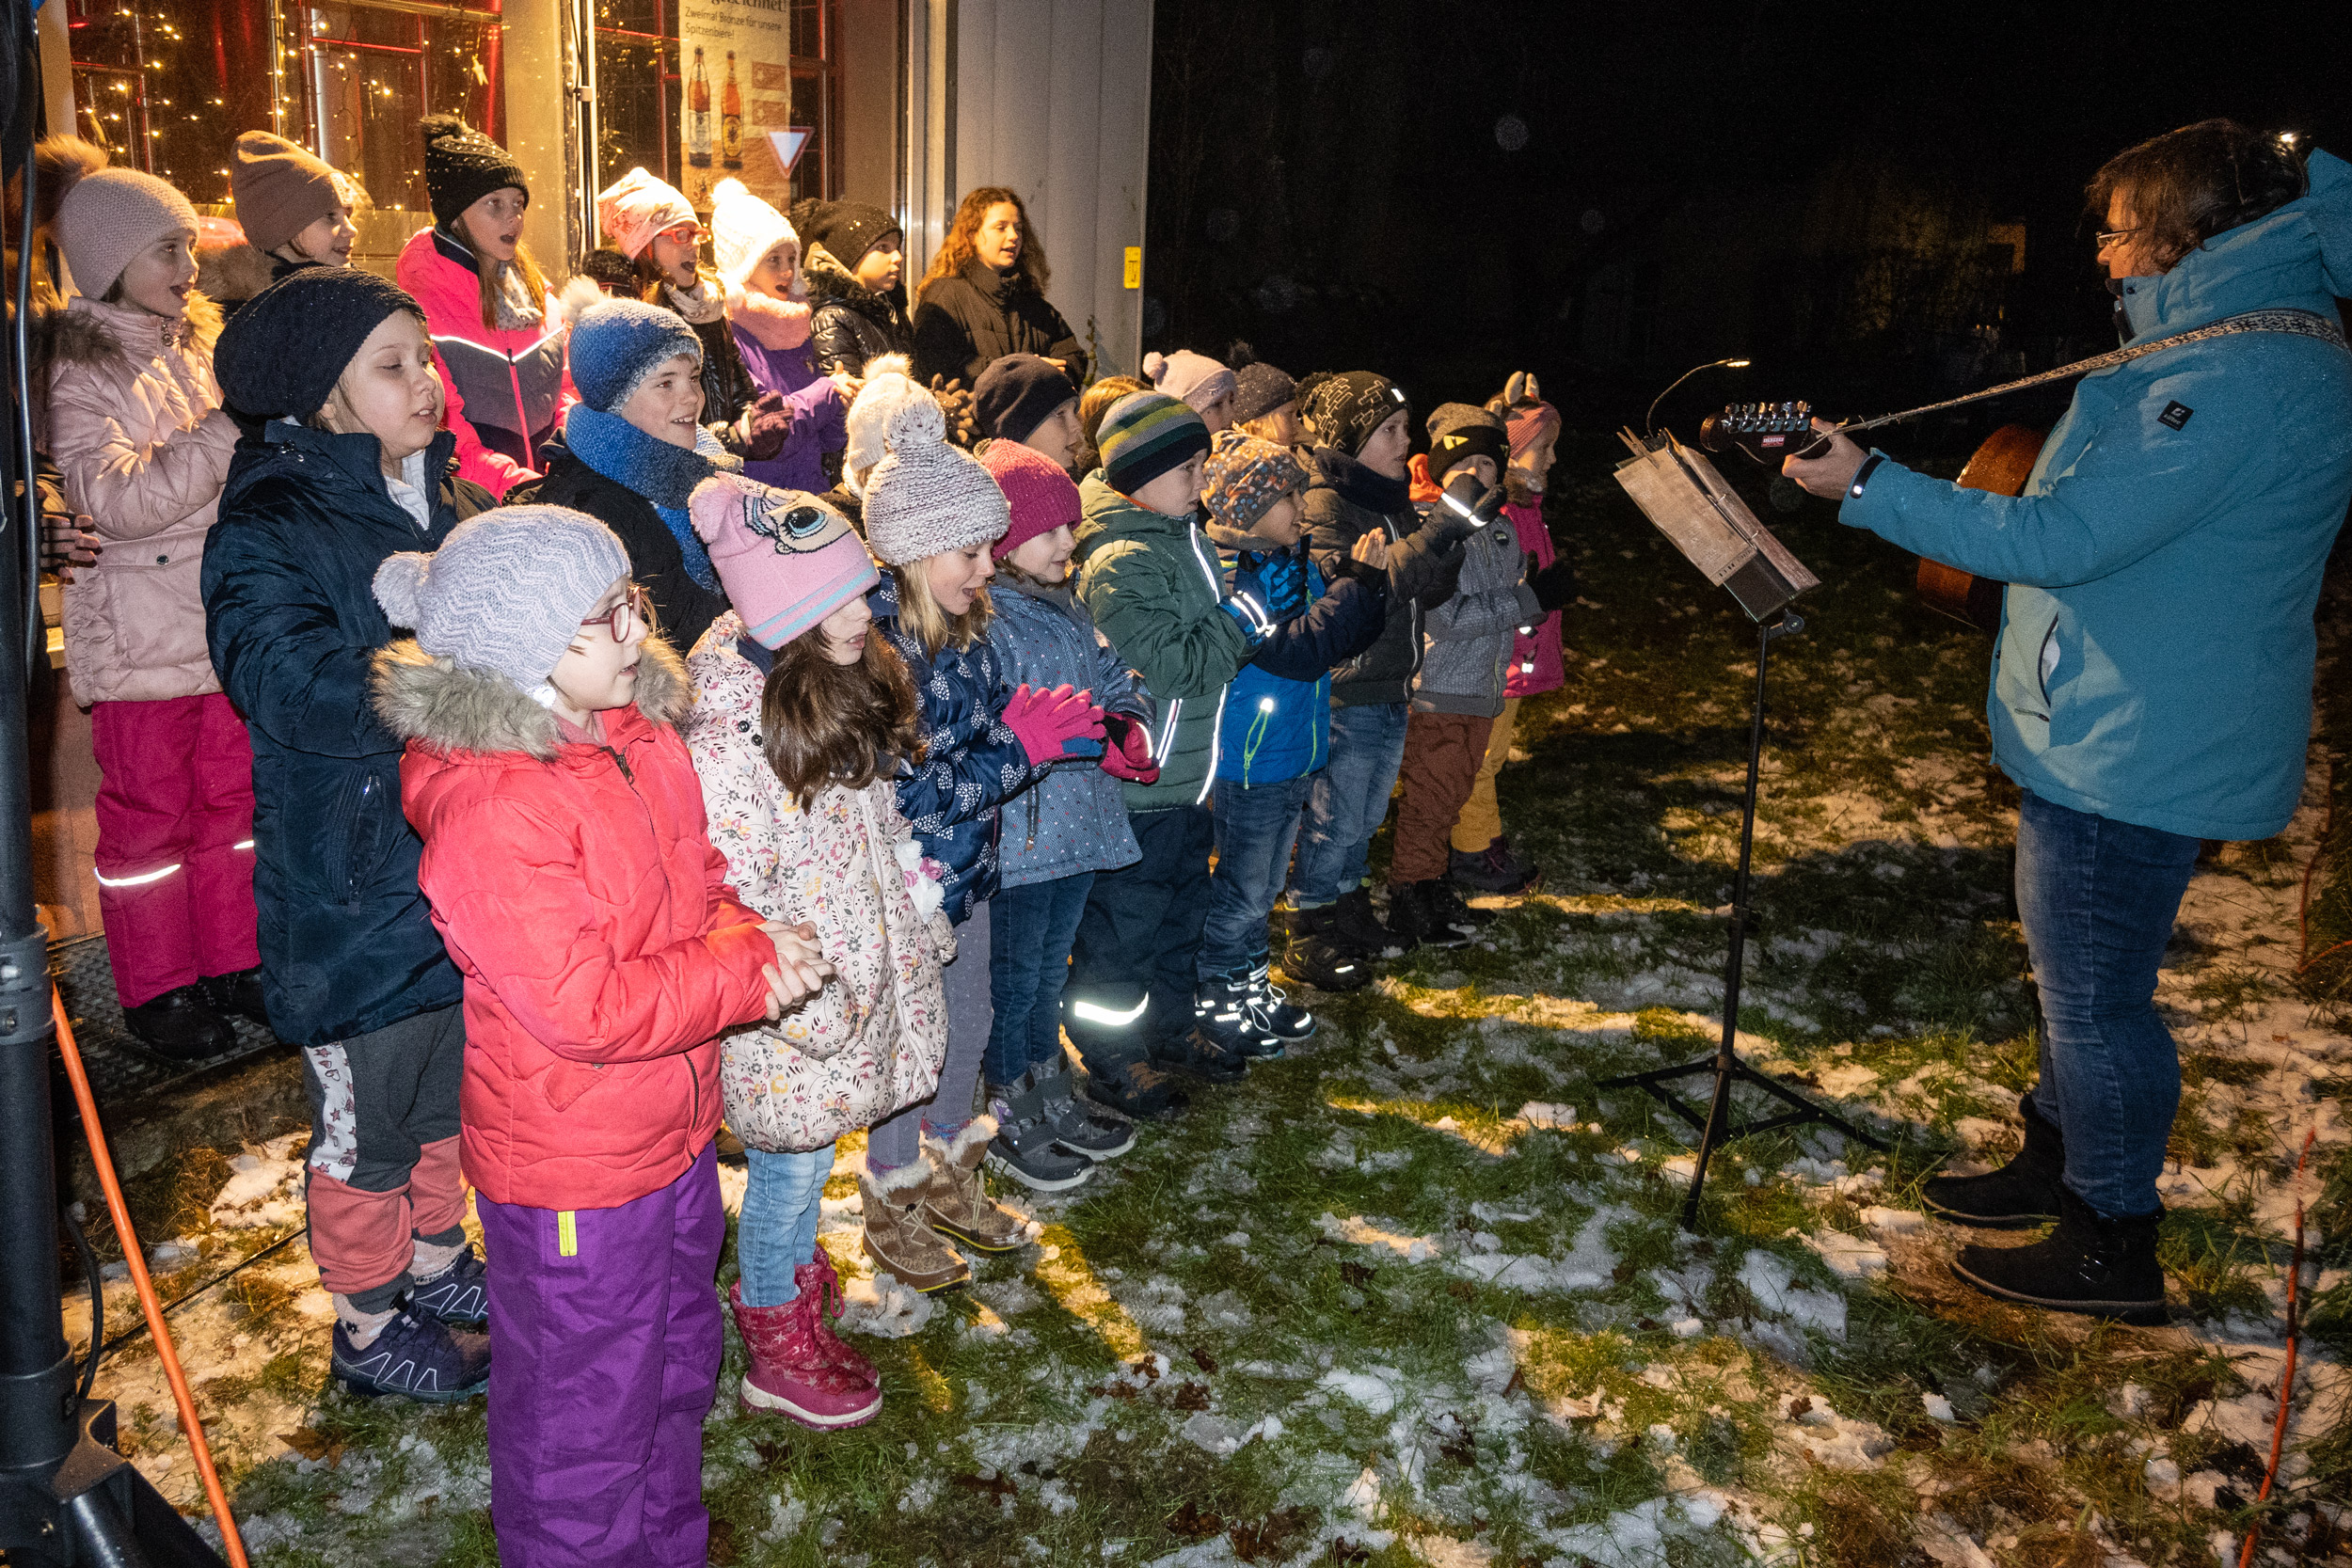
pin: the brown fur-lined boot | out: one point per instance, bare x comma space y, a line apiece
898, 1237
953, 1200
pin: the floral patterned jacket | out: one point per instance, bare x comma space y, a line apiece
870, 1042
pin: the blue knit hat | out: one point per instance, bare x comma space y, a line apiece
618, 344
506, 591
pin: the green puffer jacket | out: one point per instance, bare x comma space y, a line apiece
1152, 583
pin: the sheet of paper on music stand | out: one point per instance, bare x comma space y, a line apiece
789, 144
1680, 492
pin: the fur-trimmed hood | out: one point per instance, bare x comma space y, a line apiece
92, 332
456, 708
233, 272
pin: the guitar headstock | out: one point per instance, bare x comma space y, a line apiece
1765, 430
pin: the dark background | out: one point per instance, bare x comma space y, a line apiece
1879, 204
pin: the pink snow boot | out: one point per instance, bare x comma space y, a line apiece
790, 1375
822, 1288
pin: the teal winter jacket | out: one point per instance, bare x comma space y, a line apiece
2155, 657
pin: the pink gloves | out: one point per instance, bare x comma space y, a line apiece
1045, 721
1127, 750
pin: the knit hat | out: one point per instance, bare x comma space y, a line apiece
1525, 414
1457, 433
1245, 476
888, 385
1040, 496
1343, 409
1194, 377
279, 189
619, 343
109, 216
609, 270
462, 165
1146, 435
283, 351
743, 229
506, 591
1259, 389
926, 498
847, 229
636, 207
786, 559
1013, 396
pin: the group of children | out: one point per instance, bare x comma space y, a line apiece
767, 758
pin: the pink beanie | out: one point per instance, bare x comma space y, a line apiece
636, 207
1526, 416
1041, 495
786, 559
109, 216
1195, 380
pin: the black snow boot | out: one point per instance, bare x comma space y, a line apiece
1354, 925
2022, 1193
1315, 960
1139, 1089
2107, 1268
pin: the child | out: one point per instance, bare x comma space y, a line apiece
759, 261
1094, 404
135, 425
1265, 405
1205, 386
1276, 737
350, 467
570, 875
1056, 837
1027, 400
855, 254
1151, 582
931, 512
496, 325
801, 719
295, 209
1458, 691
1483, 859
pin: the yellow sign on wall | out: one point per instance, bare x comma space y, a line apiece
1134, 275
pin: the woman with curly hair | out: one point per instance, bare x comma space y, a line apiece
984, 296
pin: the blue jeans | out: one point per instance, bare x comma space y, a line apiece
777, 1230
2098, 897
1028, 965
1256, 825
1349, 801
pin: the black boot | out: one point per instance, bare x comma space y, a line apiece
1354, 926
2022, 1193
1494, 869
238, 993
181, 1025
2107, 1268
1201, 1055
1315, 957
1139, 1089
1417, 914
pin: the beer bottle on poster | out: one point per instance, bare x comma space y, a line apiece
698, 116
731, 119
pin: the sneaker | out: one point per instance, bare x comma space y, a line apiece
416, 1356
1202, 1056
1025, 1146
2022, 1193
1493, 869
458, 1296
239, 993
1081, 1126
2101, 1267
1354, 924
1414, 916
1222, 1013
1143, 1090
1315, 960
180, 1027
1276, 1013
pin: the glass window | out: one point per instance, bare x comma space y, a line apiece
637, 85
358, 74
166, 88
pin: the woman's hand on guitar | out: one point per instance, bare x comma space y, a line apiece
1827, 475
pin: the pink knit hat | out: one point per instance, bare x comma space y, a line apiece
109, 216
786, 559
636, 207
1195, 378
1526, 416
1041, 495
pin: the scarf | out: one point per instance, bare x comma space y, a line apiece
1357, 483
663, 474
774, 324
699, 306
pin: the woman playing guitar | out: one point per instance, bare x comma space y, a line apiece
2151, 686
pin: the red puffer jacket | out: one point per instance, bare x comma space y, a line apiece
580, 896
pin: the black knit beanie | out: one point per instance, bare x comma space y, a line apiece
1459, 432
847, 229
1259, 389
462, 165
1015, 394
283, 351
1343, 408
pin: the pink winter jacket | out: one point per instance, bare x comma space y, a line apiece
515, 385
871, 1041
134, 424
1534, 654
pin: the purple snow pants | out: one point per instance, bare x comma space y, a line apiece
604, 1359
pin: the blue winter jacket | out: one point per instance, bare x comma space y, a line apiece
2156, 647
348, 940
1277, 723
972, 762
1075, 821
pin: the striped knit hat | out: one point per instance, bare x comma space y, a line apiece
1146, 435
506, 591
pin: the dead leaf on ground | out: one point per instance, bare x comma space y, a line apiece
1195, 1523
995, 1486
1191, 1396
1355, 1273
311, 1443
1269, 1539
1204, 1360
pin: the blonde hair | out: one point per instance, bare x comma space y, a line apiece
932, 628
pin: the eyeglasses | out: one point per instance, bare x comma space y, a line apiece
633, 605
2108, 237
683, 233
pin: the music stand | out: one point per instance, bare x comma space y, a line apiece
1680, 492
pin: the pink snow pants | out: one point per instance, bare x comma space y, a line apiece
175, 842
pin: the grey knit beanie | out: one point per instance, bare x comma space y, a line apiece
926, 498
506, 591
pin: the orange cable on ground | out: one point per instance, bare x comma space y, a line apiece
2286, 1377
120, 1212
2305, 958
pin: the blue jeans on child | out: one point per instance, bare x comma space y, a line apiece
2098, 899
1256, 827
1349, 801
777, 1230
1028, 965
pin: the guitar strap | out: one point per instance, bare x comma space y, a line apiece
2301, 323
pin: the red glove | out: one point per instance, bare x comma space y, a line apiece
764, 426
1127, 750
1046, 721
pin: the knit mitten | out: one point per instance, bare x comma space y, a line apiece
1554, 585
1127, 750
1047, 722
764, 426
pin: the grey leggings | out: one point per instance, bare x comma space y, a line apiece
896, 1140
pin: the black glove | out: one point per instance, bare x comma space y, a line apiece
1554, 585
1464, 493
